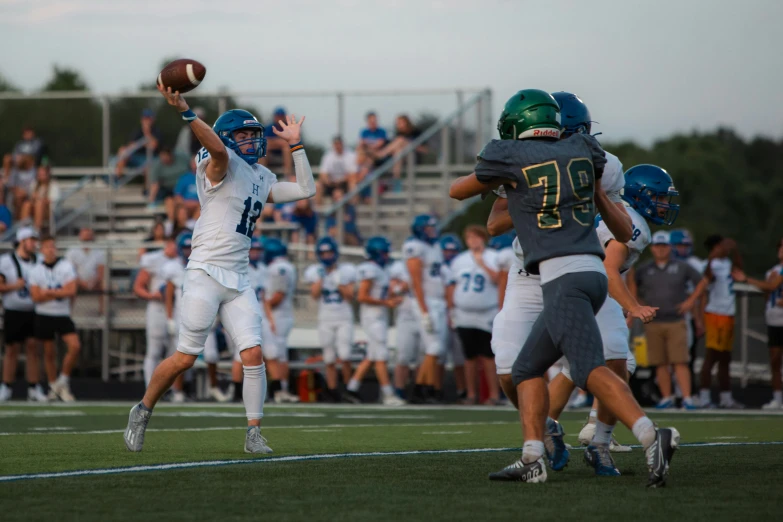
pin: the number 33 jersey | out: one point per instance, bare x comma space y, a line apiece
552, 205
229, 210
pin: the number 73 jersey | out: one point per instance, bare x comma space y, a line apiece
229, 211
552, 205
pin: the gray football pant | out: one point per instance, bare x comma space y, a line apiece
567, 326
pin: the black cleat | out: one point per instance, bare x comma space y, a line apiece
352, 397
521, 472
659, 455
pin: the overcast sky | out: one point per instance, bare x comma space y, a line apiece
645, 69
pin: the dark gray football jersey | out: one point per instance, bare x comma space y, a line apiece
552, 204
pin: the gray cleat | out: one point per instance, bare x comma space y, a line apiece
137, 425
254, 442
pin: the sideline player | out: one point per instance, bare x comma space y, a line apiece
147, 286
552, 191
408, 328
504, 246
19, 318
232, 190
280, 288
424, 259
374, 306
451, 246
52, 286
332, 285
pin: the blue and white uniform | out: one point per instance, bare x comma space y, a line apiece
374, 319
335, 315
434, 293
281, 277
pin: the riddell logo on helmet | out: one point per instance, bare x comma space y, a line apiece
545, 133
249, 122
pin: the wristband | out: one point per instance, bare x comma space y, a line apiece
188, 115
296, 146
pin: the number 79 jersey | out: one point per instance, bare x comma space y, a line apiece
552, 206
229, 211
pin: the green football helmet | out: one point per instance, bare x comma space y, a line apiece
530, 113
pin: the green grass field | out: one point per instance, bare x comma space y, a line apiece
349, 463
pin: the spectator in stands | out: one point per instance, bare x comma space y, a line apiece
45, 195
364, 165
185, 194
164, 175
351, 234
772, 285
372, 137
187, 143
406, 132
31, 145
5, 218
719, 313
338, 171
19, 178
90, 262
182, 223
278, 153
663, 283
157, 235
146, 139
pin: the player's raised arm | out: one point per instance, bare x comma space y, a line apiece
305, 185
218, 157
499, 220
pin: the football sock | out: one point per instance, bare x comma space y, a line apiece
593, 416
603, 433
387, 390
778, 395
254, 390
284, 385
725, 397
644, 431
532, 451
704, 396
64, 379
353, 385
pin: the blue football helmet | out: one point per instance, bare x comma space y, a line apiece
502, 241
274, 248
327, 251
377, 249
650, 191
237, 119
682, 241
256, 250
451, 246
574, 115
425, 228
184, 244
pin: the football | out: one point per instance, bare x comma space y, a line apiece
182, 75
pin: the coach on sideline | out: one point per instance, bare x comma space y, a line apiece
663, 283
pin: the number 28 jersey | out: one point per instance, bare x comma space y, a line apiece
221, 237
552, 205
432, 260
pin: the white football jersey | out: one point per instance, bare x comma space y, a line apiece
505, 258
258, 278
474, 291
399, 271
721, 299
173, 271
18, 300
640, 237
332, 306
774, 312
281, 277
152, 262
229, 211
53, 277
370, 271
432, 260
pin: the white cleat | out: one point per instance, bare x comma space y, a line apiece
62, 391
773, 405
177, 397
392, 400
36, 394
282, 397
218, 395
254, 442
137, 426
5, 392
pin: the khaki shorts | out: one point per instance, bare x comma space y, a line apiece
667, 343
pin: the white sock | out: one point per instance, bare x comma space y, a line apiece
644, 431
593, 416
149, 367
603, 433
778, 396
353, 385
64, 379
387, 390
532, 450
725, 397
665, 399
254, 390
284, 385
705, 396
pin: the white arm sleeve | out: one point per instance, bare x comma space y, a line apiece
304, 187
